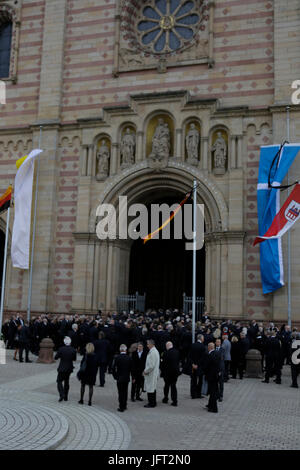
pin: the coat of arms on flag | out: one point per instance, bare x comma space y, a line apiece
292, 212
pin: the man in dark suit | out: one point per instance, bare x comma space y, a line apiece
273, 358
212, 370
24, 341
197, 357
170, 372
121, 370
221, 353
138, 366
103, 353
67, 355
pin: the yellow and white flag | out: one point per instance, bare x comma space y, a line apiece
20, 247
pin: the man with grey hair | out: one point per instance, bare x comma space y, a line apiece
151, 373
170, 372
295, 359
121, 371
67, 356
212, 371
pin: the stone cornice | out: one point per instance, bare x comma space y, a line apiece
230, 237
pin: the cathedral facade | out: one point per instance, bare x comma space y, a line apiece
139, 98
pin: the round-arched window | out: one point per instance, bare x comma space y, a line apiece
165, 26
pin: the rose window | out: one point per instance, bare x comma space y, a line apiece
165, 26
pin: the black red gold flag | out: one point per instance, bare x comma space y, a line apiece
5, 200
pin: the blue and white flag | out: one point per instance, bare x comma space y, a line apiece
268, 205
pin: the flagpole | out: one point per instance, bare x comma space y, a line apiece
4, 269
194, 261
34, 230
289, 232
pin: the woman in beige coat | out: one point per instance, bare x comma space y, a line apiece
151, 373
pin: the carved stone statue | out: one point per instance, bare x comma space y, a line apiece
161, 145
103, 156
220, 155
128, 148
192, 145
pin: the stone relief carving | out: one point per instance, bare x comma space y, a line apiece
128, 144
103, 157
219, 149
192, 145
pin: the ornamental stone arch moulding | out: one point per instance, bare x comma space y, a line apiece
139, 179
10, 11
163, 33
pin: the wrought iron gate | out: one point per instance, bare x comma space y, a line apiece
131, 302
188, 305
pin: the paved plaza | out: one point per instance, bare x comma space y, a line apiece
253, 415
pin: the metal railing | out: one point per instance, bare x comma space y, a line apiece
131, 302
188, 305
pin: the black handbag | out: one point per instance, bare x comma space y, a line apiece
82, 369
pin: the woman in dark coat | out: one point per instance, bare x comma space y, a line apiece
88, 372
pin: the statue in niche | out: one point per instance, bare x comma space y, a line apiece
103, 156
220, 155
128, 148
192, 145
161, 141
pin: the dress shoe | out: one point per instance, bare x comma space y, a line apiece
66, 399
173, 404
277, 382
139, 399
149, 406
90, 403
211, 411
21, 360
165, 400
121, 410
294, 386
61, 399
80, 402
264, 381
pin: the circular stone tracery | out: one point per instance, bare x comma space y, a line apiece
163, 27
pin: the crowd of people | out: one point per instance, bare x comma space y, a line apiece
138, 348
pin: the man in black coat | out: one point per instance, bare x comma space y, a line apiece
212, 371
273, 358
138, 365
121, 370
221, 353
170, 372
24, 341
103, 352
197, 357
67, 355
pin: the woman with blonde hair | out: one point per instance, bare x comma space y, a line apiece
88, 372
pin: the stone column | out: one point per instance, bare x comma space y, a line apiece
109, 277
204, 153
95, 302
208, 263
240, 152
233, 152
180, 149
102, 279
139, 147
90, 162
114, 163
84, 160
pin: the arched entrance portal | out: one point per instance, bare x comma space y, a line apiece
163, 268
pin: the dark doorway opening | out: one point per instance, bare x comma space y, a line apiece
163, 269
